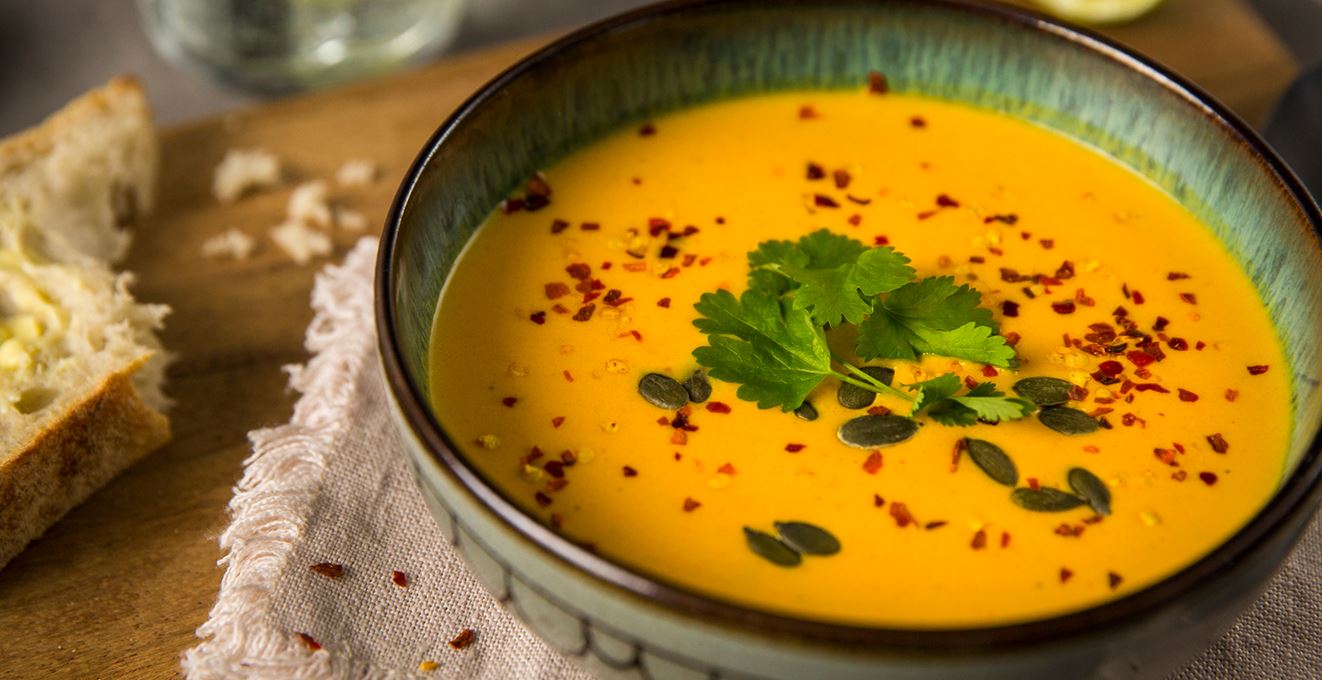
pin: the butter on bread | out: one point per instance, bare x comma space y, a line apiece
80, 365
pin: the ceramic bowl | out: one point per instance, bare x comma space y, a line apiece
682, 53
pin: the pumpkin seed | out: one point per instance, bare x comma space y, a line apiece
806, 411
808, 539
855, 397
772, 550
698, 387
1044, 499
993, 461
663, 391
1092, 489
1044, 391
1066, 420
866, 432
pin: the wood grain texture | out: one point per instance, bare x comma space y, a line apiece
117, 588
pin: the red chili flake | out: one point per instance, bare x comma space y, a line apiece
690, 505
556, 290
1143, 373
955, 455
556, 520
841, 178
1160, 324
926, 214
901, 514
795, 448
585, 312
512, 205
873, 463
1065, 574
534, 454
559, 308
1033, 483
1232, 395
537, 186
824, 201
935, 524
1128, 419
994, 251
1065, 270
726, 469
612, 295
558, 226
918, 122
990, 372
399, 578
807, 112
1012, 338
880, 240
1209, 478
1258, 369
555, 468
1111, 368
877, 500
590, 226
647, 130
678, 456
1179, 447
1176, 276
1189, 298
538, 318
569, 457
878, 410
979, 540
1113, 579
855, 220
629, 472
1063, 307
720, 220
309, 641
1178, 344
1069, 531
1005, 539
579, 270
1151, 387
1009, 308
1140, 359
679, 438
464, 638
815, 171
718, 407
555, 485
704, 262
1083, 299
1048, 243
1199, 345
1186, 395
945, 201
877, 83
542, 499
1179, 475
1218, 443
1007, 218
969, 382
330, 570
1137, 297
663, 302
689, 259
860, 201
668, 252
1009, 275
568, 376
671, 273
1166, 456
510, 401
656, 225
589, 297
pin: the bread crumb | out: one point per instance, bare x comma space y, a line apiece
356, 173
308, 204
301, 242
232, 243
350, 220
242, 170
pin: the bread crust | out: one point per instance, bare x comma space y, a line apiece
95, 439
21, 148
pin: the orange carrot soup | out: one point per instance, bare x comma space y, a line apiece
876, 360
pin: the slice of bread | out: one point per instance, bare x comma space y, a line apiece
80, 365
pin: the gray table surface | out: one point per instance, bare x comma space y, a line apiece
50, 50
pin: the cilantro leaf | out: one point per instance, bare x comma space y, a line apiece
829, 272
776, 353
766, 278
932, 316
982, 403
934, 390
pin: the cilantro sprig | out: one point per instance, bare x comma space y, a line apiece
771, 340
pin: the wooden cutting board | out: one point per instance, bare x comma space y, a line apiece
117, 588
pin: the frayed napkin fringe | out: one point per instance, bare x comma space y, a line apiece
280, 481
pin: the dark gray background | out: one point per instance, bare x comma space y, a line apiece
50, 50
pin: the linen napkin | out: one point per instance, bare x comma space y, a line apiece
333, 487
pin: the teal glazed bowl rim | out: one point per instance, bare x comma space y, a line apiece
1288, 510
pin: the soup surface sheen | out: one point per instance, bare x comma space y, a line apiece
928, 539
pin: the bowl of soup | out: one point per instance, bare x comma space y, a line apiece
857, 339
